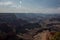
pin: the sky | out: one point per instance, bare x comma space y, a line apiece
29, 6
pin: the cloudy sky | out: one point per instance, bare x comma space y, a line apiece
30, 6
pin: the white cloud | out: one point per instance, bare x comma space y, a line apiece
15, 6
6, 3
12, 4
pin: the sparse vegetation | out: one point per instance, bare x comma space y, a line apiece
56, 36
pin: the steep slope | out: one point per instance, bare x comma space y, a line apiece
7, 17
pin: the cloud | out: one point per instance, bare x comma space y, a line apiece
29, 10
30, 6
5, 3
20, 2
10, 4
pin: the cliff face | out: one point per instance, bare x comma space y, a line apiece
7, 21
7, 17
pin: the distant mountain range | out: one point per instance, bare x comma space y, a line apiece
35, 17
